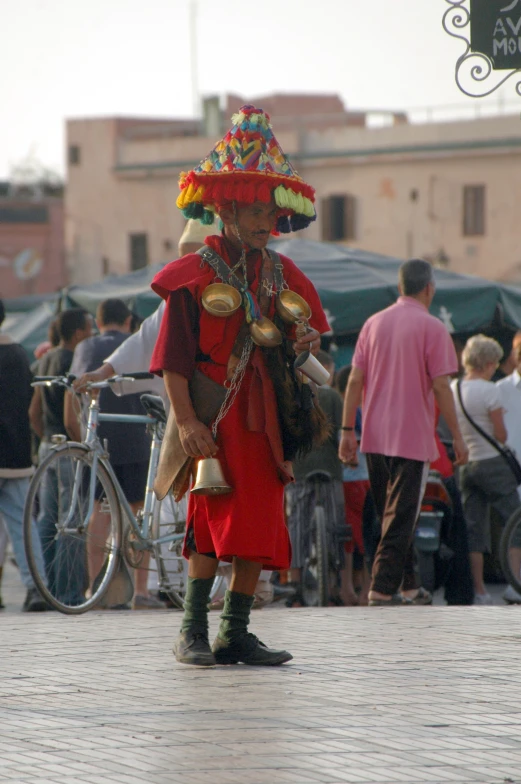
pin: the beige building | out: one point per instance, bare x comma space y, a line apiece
444, 191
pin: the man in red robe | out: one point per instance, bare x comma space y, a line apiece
246, 526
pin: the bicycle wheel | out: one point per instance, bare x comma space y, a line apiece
172, 567
80, 556
510, 550
315, 572
172, 572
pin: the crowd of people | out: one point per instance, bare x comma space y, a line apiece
484, 481
375, 429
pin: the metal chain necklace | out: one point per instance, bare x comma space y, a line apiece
235, 385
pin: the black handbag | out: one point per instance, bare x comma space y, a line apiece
506, 453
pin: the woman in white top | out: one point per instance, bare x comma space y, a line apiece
486, 479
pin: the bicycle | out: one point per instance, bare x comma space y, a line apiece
510, 550
323, 560
86, 523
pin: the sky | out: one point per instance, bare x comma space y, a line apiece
64, 59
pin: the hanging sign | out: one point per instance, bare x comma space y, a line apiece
495, 31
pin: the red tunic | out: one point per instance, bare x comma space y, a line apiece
248, 522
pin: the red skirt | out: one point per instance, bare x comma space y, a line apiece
248, 522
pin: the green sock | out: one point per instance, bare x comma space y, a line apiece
195, 618
235, 616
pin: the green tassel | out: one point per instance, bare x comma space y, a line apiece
208, 218
194, 211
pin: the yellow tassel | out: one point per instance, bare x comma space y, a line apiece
287, 199
281, 197
309, 210
238, 118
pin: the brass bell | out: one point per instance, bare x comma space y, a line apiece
210, 478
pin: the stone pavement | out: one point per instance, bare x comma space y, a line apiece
373, 695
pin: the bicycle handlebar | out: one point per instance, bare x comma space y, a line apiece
140, 375
47, 381
66, 381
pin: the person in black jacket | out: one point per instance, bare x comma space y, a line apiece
46, 418
15, 456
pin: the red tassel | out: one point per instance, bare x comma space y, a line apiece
218, 193
264, 193
229, 191
249, 195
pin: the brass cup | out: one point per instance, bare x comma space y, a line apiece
264, 333
291, 307
221, 299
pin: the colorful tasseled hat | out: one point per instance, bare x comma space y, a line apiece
246, 166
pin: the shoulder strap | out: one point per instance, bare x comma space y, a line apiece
278, 272
476, 427
219, 266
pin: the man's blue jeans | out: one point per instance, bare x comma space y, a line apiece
13, 493
64, 556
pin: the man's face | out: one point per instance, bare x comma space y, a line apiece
256, 222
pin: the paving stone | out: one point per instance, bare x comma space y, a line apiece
373, 696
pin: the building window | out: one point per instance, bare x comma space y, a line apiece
24, 214
338, 218
138, 251
473, 210
74, 155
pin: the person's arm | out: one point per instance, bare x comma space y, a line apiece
445, 400
135, 353
70, 418
353, 398
498, 423
196, 438
36, 412
100, 374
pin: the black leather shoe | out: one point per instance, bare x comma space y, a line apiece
194, 648
248, 649
34, 601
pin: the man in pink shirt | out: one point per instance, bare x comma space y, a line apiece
403, 359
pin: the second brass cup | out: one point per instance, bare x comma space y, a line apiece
264, 333
291, 307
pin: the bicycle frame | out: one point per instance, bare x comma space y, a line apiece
99, 453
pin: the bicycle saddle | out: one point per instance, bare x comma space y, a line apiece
318, 476
154, 406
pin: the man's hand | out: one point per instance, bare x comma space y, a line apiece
196, 439
348, 447
103, 372
310, 342
461, 451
